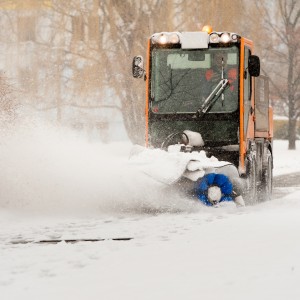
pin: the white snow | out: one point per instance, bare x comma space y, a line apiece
286, 161
55, 186
168, 167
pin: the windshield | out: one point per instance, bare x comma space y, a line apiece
184, 81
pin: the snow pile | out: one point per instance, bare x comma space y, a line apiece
168, 167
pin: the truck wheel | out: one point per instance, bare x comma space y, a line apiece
267, 178
251, 194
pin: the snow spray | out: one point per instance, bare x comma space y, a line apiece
53, 170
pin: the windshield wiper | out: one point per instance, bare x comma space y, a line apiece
210, 100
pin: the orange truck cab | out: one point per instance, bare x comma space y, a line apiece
209, 83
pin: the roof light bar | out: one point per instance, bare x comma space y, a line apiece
223, 37
173, 38
164, 38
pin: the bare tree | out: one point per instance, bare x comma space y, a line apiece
89, 46
221, 15
129, 25
282, 18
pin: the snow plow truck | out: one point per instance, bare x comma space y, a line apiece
204, 92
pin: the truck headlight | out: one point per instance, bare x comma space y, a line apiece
174, 38
162, 39
214, 38
225, 38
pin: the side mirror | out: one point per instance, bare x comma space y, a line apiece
254, 65
138, 67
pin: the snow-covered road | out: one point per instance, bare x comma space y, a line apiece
223, 253
178, 250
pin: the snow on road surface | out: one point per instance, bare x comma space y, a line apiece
57, 187
286, 162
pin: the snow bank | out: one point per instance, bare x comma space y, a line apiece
285, 161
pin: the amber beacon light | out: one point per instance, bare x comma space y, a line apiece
207, 28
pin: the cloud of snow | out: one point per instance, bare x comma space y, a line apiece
51, 170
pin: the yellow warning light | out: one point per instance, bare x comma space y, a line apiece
207, 28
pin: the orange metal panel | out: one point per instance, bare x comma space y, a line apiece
250, 130
147, 96
271, 130
242, 143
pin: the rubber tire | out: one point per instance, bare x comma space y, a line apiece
267, 178
251, 193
